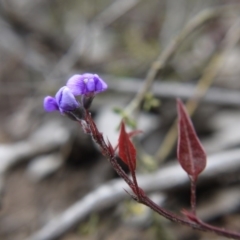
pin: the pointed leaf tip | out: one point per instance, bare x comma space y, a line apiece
127, 151
190, 152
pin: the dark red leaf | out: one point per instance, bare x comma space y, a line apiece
127, 151
130, 134
191, 154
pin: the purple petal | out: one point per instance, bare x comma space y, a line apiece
76, 85
100, 85
58, 95
90, 84
50, 104
85, 84
66, 100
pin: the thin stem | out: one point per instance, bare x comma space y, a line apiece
106, 150
136, 187
219, 231
193, 195
141, 197
170, 216
199, 225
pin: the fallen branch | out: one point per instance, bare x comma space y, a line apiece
172, 48
174, 90
210, 72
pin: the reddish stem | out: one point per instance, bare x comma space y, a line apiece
141, 197
136, 187
193, 182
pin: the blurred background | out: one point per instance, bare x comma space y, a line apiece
50, 171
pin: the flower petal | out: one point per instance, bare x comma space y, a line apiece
90, 85
50, 104
76, 85
85, 84
58, 96
100, 85
66, 100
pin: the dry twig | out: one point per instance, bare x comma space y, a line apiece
172, 48
204, 83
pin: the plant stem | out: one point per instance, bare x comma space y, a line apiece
193, 195
192, 221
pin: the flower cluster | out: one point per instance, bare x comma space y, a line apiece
86, 85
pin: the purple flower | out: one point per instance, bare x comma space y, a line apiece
50, 104
64, 101
86, 84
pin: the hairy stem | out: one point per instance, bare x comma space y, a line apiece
192, 221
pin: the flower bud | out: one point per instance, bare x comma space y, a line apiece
65, 100
86, 84
50, 104
65, 103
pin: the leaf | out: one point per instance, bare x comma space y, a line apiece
127, 151
191, 154
130, 134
